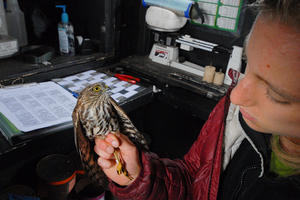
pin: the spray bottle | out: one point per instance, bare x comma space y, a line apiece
65, 34
16, 22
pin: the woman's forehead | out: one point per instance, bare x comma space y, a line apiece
282, 38
276, 43
274, 50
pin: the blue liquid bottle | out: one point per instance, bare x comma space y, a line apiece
66, 34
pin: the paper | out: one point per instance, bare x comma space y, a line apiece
37, 106
119, 90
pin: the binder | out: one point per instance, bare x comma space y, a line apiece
9, 131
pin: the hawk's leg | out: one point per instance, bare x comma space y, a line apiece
121, 165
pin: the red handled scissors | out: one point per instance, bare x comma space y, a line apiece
127, 78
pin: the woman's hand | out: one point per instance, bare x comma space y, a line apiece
105, 149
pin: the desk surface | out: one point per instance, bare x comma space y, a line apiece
14, 70
142, 97
178, 94
60, 139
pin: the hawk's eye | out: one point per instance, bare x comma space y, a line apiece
96, 88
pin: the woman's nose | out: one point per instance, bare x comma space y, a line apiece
244, 94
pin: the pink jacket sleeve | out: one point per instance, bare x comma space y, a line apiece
159, 179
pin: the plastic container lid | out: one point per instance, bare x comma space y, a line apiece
56, 169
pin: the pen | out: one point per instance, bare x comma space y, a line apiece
74, 94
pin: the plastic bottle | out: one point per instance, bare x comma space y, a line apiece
65, 34
16, 22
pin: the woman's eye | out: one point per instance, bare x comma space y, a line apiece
276, 100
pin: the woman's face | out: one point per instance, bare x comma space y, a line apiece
269, 94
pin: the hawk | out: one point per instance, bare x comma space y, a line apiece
95, 115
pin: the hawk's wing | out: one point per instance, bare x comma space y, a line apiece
127, 128
82, 143
85, 147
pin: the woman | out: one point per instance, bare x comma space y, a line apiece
254, 153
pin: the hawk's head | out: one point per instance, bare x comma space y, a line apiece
94, 93
95, 110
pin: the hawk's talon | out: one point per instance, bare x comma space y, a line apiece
120, 166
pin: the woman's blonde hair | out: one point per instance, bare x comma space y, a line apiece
287, 11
